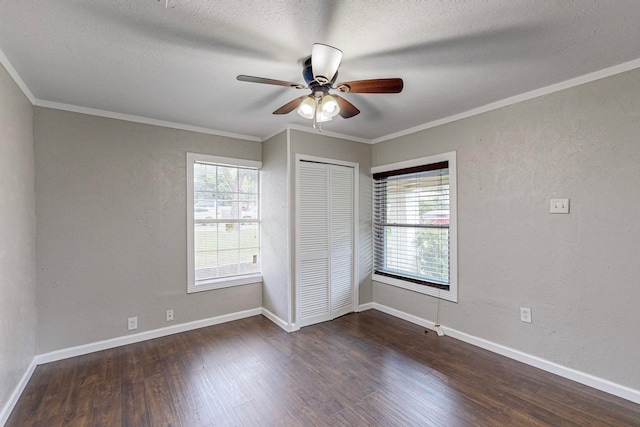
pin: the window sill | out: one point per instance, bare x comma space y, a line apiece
227, 282
450, 295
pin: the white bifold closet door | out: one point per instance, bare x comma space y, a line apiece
325, 238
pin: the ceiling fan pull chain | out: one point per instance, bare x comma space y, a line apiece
315, 112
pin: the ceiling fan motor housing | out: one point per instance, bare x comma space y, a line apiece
307, 74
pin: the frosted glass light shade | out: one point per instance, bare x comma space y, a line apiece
330, 106
307, 108
321, 117
325, 61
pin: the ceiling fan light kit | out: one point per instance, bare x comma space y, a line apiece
307, 107
319, 108
330, 106
320, 72
325, 61
321, 117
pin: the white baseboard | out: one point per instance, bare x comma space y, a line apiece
275, 319
581, 377
366, 306
554, 368
13, 399
546, 365
142, 336
117, 342
404, 316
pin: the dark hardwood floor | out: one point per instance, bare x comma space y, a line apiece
361, 369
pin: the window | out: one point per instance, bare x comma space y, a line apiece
415, 225
223, 222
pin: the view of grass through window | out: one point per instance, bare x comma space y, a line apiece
226, 221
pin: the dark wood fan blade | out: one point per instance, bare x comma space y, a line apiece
290, 106
347, 109
252, 79
372, 86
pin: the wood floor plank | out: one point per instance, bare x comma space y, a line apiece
52, 409
361, 369
190, 408
161, 409
133, 403
33, 395
218, 409
79, 405
107, 391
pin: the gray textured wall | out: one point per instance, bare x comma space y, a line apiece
319, 145
275, 219
111, 228
17, 237
579, 273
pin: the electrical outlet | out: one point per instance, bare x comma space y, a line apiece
525, 314
169, 315
132, 323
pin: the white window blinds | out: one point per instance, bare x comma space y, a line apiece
411, 224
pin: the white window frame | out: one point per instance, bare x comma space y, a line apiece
225, 282
452, 293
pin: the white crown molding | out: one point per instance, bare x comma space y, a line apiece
577, 81
140, 119
586, 78
537, 362
16, 77
309, 129
276, 132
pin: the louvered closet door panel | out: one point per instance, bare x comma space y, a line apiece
341, 240
313, 243
314, 291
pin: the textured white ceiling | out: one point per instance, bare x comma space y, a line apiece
178, 64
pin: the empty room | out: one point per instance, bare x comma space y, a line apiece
238, 213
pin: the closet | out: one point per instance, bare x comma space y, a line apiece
324, 241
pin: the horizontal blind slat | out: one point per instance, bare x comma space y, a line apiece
411, 220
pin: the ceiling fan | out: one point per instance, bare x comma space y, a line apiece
320, 73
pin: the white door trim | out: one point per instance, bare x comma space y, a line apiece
356, 187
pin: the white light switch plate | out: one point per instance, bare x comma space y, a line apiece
560, 206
